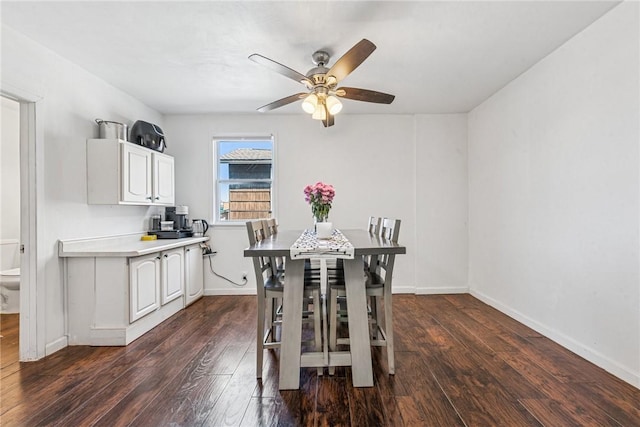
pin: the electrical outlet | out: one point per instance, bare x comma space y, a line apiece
244, 275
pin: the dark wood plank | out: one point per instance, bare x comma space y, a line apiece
388, 387
330, 408
300, 405
365, 406
9, 342
154, 373
430, 400
458, 361
553, 413
190, 397
115, 364
236, 396
263, 411
577, 404
410, 412
485, 341
618, 400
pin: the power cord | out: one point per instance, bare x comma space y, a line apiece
207, 252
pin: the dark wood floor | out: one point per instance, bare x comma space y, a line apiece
458, 363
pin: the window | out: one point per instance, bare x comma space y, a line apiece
244, 179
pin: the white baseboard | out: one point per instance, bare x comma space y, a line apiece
404, 290
442, 290
56, 345
234, 291
396, 290
567, 342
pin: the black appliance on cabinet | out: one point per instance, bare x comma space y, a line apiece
148, 135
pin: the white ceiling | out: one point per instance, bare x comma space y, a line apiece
191, 57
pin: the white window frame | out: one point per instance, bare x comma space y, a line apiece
216, 180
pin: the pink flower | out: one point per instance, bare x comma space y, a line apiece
319, 196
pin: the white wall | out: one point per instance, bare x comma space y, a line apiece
373, 162
554, 195
71, 98
441, 203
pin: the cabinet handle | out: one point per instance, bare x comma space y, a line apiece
149, 198
166, 256
157, 197
158, 257
188, 250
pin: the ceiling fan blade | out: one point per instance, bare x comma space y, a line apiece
282, 69
282, 102
365, 95
352, 59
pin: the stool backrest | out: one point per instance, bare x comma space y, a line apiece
374, 225
271, 226
257, 233
390, 230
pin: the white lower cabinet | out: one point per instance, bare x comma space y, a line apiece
115, 299
172, 283
117, 294
144, 283
193, 273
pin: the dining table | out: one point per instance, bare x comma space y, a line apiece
358, 356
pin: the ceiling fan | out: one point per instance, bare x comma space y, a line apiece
321, 99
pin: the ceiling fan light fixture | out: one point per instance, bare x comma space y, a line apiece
310, 103
322, 96
333, 105
320, 113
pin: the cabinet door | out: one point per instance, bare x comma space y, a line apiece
172, 275
136, 174
144, 280
194, 274
163, 179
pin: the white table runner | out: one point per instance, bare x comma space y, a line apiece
309, 246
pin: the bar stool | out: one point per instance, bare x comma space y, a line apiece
378, 283
270, 288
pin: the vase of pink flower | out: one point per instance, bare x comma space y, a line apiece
319, 196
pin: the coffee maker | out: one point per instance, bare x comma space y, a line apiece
180, 217
181, 224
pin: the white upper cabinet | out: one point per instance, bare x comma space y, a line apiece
163, 179
119, 172
136, 174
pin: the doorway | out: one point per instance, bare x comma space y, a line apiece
9, 230
29, 167
9, 196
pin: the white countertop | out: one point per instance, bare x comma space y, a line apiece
128, 245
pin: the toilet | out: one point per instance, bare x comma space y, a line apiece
9, 276
10, 290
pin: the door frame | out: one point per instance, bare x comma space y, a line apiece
32, 304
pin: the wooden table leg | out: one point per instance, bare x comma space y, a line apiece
361, 368
291, 339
